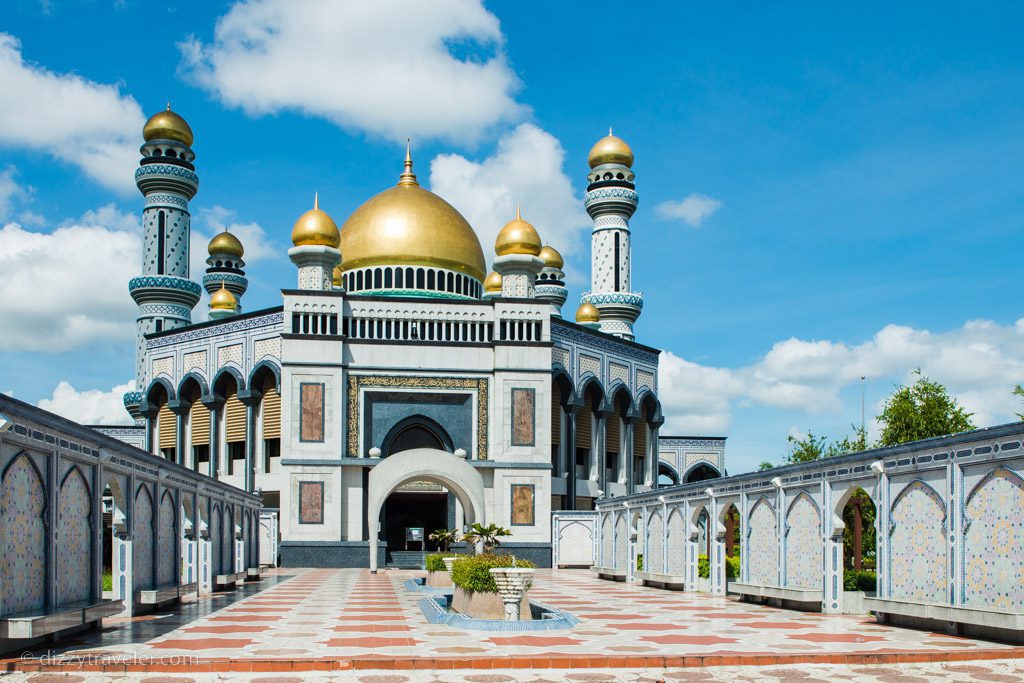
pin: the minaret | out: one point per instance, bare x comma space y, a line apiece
225, 267
492, 286
222, 303
518, 258
316, 239
551, 281
163, 292
611, 200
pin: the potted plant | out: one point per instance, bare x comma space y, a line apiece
489, 536
478, 591
444, 538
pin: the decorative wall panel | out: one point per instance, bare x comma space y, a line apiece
655, 557
167, 556
763, 544
918, 539
311, 419
74, 540
522, 505
311, 502
803, 544
994, 543
23, 556
142, 539
524, 417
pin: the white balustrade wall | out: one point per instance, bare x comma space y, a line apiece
949, 525
166, 522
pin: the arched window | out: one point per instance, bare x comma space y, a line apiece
431, 279
378, 280
399, 278
387, 278
420, 279
451, 282
359, 280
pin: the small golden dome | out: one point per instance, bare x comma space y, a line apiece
517, 237
610, 150
493, 282
409, 225
551, 257
223, 300
315, 228
587, 313
226, 243
166, 125
336, 276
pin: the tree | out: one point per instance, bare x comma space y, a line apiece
856, 444
488, 535
444, 538
921, 411
765, 466
809, 448
1018, 391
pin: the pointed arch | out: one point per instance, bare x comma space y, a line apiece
22, 535
224, 375
196, 380
142, 538
74, 538
261, 370
1000, 471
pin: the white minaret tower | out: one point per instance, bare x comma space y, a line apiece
164, 293
551, 281
316, 239
611, 200
517, 259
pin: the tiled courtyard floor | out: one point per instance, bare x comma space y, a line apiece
317, 619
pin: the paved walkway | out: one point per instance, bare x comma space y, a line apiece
337, 619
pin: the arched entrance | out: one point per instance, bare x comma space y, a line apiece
430, 465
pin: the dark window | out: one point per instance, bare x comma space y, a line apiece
271, 449
160, 223
617, 269
377, 281
431, 280
420, 281
387, 278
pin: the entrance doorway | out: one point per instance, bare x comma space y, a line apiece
405, 511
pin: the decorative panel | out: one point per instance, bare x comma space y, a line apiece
524, 417
676, 543
522, 505
196, 360
266, 347
227, 542
803, 544
763, 544
142, 539
167, 555
560, 356
918, 540
607, 545
23, 538
644, 379
617, 371
229, 354
621, 542
311, 502
590, 364
311, 416
163, 366
668, 456
215, 544
655, 557
694, 458
575, 544
994, 543
74, 540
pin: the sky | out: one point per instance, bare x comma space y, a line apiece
826, 192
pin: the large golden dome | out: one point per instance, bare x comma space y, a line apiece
225, 243
408, 225
610, 149
223, 300
315, 228
517, 237
166, 125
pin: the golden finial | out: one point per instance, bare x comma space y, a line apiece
168, 104
408, 177
610, 131
316, 201
519, 216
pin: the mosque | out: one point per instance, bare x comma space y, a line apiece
399, 385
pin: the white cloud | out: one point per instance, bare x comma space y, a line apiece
693, 209
979, 363
526, 169
398, 69
10, 191
66, 288
88, 124
90, 407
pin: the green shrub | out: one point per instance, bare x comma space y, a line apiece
863, 580
435, 562
472, 573
703, 567
639, 563
108, 581
732, 567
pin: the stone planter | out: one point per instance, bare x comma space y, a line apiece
439, 579
513, 584
486, 605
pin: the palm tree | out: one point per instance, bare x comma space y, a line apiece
444, 538
488, 535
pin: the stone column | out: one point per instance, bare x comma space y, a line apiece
204, 576
122, 562
882, 538
251, 400
215, 405
570, 480
832, 528
691, 549
716, 556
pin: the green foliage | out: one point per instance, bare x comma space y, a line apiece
921, 411
859, 581
1018, 391
855, 444
765, 466
808, 448
471, 573
444, 538
435, 562
639, 563
489, 535
867, 515
703, 567
108, 581
732, 567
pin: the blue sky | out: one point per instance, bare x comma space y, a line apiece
853, 176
